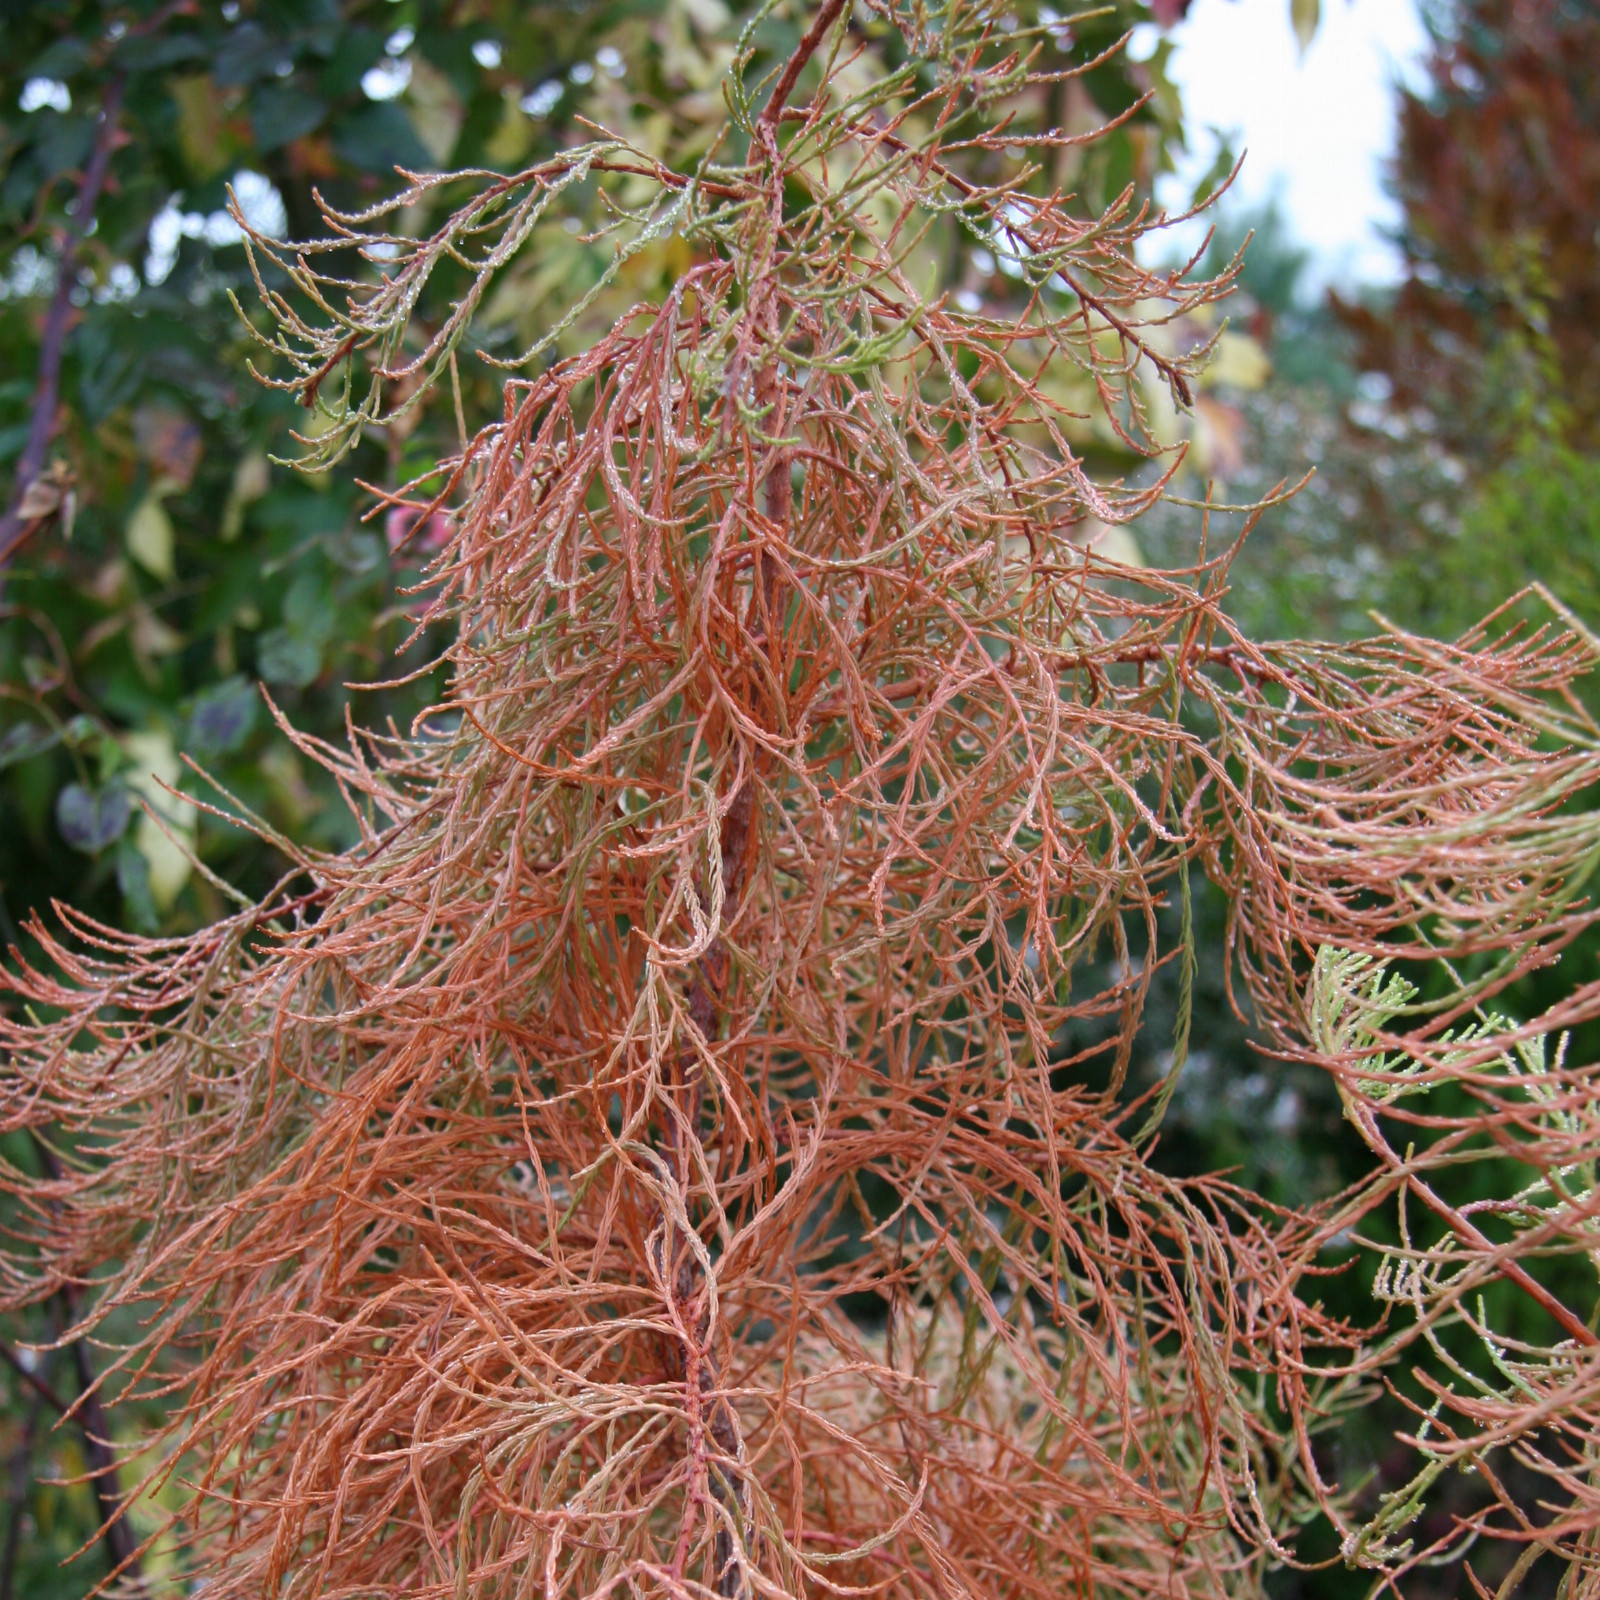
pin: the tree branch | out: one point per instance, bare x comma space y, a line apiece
807, 48
14, 526
116, 1532
41, 1389
17, 1495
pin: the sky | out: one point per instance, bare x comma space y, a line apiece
1317, 130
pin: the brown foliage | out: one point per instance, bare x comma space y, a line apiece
648, 1163
1498, 170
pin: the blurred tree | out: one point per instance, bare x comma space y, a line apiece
1451, 421
158, 563
1491, 346
1498, 174
1316, 565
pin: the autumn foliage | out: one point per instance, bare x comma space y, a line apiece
1498, 169
649, 1162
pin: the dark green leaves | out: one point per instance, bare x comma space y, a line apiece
151, 52
249, 52
24, 740
288, 658
90, 819
280, 115
380, 138
223, 717
133, 879
67, 55
292, 655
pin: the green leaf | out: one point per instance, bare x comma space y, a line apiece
90, 819
133, 879
64, 142
65, 57
288, 658
23, 741
110, 370
248, 53
353, 53
223, 717
280, 116
309, 609
149, 53
379, 138
356, 550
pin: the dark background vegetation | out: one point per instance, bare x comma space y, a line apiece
160, 571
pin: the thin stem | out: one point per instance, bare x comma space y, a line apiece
121, 1545
40, 1388
797, 62
14, 527
1512, 1271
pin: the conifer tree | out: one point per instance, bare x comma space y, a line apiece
652, 1162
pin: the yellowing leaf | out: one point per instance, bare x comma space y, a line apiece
202, 122
509, 142
281, 769
151, 636
169, 865
1117, 543
1219, 438
1239, 362
1305, 15
250, 481
39, 500
171, 442
253, 476
435, 110
691, 56
709, 16
150, 539
153, 761
109, 585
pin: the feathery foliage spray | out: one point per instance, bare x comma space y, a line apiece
648, 1163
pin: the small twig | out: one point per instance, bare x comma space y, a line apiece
14, 527
37, 1384
797, 62
308, 397
1512, 1271
1574, 1328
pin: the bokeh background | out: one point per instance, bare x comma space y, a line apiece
1418, 320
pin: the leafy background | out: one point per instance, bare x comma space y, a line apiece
175, 588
